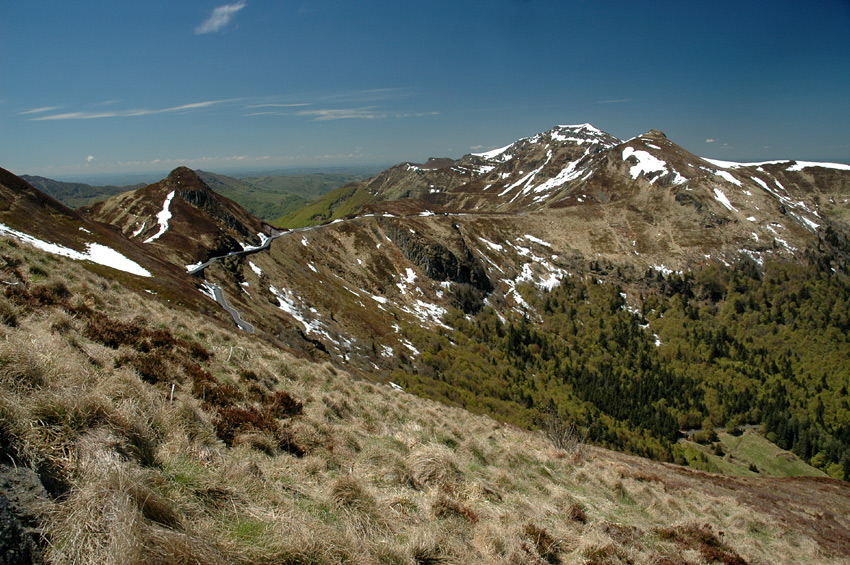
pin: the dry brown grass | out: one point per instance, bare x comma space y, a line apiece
259, 457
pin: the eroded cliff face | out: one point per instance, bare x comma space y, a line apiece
437, 260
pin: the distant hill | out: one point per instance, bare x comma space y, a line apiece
268, 197
346, 200
76, 194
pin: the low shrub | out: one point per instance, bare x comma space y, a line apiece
445, 506
151, 367
348, 493
576, 513
703, 539
546, 546
112, 333
231, 420
52, 291
283, 405
434, 465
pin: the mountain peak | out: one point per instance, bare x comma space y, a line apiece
184, 177
577, 127
183, 214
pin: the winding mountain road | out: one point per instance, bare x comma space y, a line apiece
219, 297
219, 294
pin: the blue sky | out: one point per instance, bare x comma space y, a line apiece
92, 87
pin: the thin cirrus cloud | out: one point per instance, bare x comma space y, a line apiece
342, 114
219, 18
121, 113
368, 113
41, 110
614, 101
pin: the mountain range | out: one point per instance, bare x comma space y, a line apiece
628, 288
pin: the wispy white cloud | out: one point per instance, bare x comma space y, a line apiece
614, 101
90, 158
710, 140
127, 113
219, 18
342, 114
368, 95
367, 113
291, 105
39, 110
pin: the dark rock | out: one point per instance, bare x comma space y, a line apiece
16, 545
686, 199
24, 492
438, 261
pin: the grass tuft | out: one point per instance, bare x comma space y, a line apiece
434, 465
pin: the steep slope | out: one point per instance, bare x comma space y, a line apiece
132, 427
461, 290
183, 218
510, 281
34, 217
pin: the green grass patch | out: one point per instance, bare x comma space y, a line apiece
249, 531
747, 455
346, 200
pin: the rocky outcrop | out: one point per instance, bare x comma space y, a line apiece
21, 492
16, 546
438, 261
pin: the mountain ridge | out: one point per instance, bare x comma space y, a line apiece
500, 230
599, 290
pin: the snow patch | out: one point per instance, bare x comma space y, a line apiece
726, 175
140, 230
162, 218
288, 302
679, 179
95, 252
647, 163
493, 153
800, 165
760, 182
663, 269
491, 245
718, 194
208, 290
263, 240
734, 165
536, 240
569, 173
255, 268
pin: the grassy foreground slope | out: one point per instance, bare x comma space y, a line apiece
161, 436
